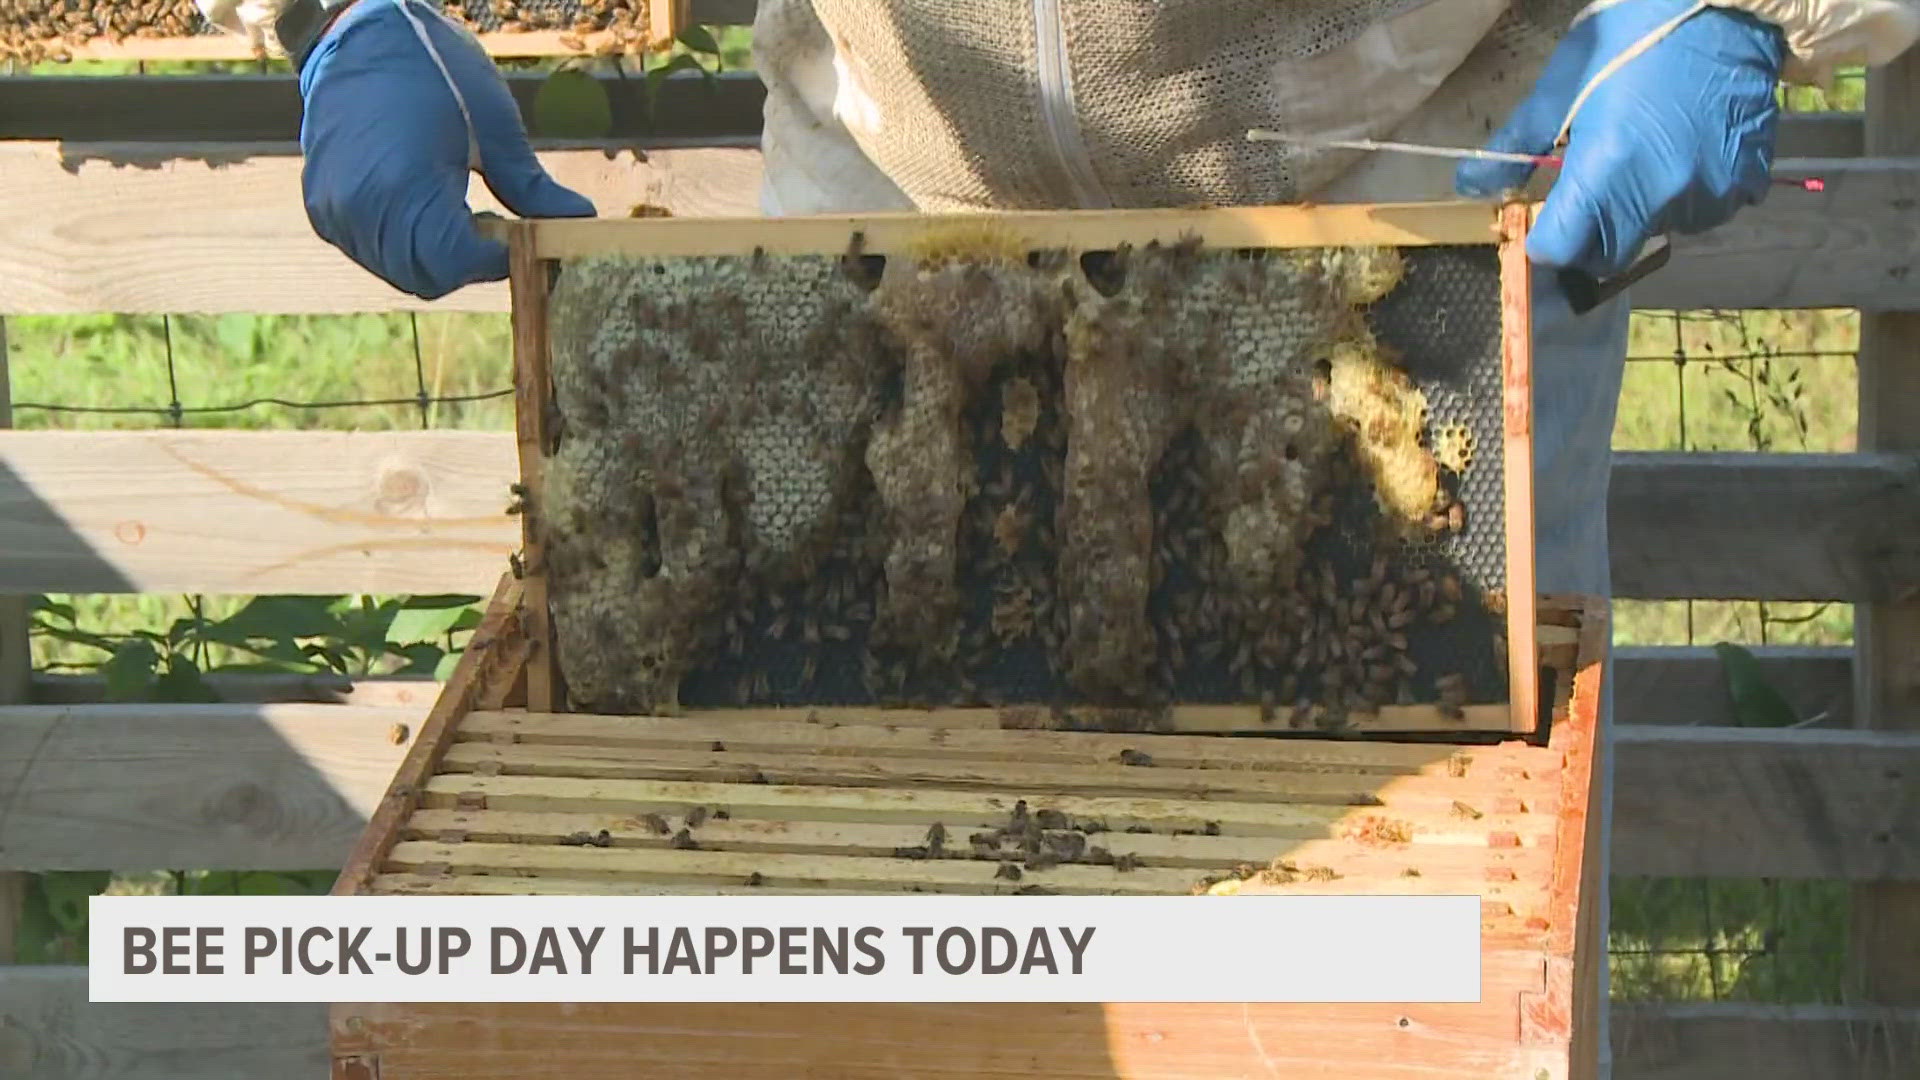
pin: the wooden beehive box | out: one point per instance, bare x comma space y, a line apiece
511, 789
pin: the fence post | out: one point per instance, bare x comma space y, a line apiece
1886, 916
16, 668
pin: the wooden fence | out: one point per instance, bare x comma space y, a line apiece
175, 195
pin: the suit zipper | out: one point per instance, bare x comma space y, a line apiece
1058, 112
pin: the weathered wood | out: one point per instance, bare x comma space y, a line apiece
280, 787
49, 1031
165, 111
55, 1034
1885, 923
253, 511
1821, 135
235, 237
1765, 526
1851, 244
1687, 685
77, 233
1764, 1042
1812, 803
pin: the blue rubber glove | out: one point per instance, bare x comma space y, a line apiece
1676, 138
388, 149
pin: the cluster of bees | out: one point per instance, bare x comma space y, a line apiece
32, 31
978, 478
622, 24
35, 31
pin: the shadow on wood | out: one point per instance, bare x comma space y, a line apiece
154, 786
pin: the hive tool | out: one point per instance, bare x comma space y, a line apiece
1584, 291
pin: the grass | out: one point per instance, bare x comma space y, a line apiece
1743, 381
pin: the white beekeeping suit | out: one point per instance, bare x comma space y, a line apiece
946, 105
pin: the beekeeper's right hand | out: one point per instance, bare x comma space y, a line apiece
401, 104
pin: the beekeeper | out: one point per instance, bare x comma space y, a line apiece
1666, 108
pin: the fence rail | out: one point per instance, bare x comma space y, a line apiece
79, 232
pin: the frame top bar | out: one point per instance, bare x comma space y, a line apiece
1301, 226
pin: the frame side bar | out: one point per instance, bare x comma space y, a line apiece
528, 276
1516, 338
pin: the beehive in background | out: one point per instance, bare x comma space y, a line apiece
33, 31
982, 469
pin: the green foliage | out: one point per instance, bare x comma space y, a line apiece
354, 636
53, 918
1689, 939
572, 104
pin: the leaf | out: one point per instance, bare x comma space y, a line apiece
411, 626
444, 669
53, 924
182, 683
63, 612
264, 884
436, 603
238, 336
699, 39
130, 670
1756, 703
422, 658
572, 104
281, 618
78, 637
37, 937
259, 667
658, 76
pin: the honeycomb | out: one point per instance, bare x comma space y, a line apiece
974, 475
32, 31
711, 411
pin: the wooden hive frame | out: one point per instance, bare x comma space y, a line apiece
538, 247
664, 20
503, 793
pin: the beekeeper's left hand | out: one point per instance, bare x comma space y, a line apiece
1672, 113
388, 93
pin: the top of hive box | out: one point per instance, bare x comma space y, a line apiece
1295, 226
